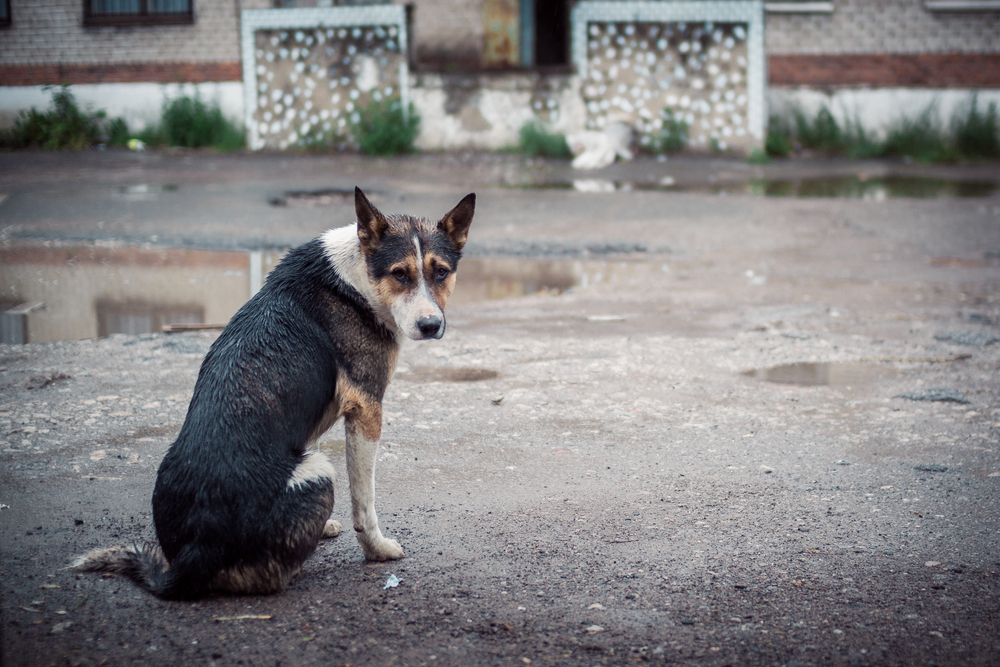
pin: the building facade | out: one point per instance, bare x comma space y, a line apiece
480, 68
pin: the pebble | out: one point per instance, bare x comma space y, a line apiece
930, 467
594, 629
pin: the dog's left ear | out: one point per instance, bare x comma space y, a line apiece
455, 223
372, 225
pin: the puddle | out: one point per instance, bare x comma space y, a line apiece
822, 374
433, 374
71, 293
846, 187
142, 191
324, 197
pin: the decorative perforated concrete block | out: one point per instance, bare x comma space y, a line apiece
308, 72
702, 61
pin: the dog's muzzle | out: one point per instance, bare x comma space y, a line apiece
430, 327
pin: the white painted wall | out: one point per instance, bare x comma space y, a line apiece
140, 104
877, 109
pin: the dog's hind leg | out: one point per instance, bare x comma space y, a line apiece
361, 451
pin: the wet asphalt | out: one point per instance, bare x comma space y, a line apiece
606, 474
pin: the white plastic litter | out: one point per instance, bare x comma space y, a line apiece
392, 582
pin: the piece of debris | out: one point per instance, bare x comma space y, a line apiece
244, 617
934, 394
597, 605
605, 318
497, 401
971, 338
842, 462
594, 629
930, 467
392, 582
41, 381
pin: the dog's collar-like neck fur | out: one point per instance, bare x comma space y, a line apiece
343, 248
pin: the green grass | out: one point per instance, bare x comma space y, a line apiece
383, 129
536, 141
971, 134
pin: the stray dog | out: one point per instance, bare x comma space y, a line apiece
243, 497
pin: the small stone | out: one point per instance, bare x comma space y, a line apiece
931, 563
766, 470
930, 467
597, 605
594, 629
842, 462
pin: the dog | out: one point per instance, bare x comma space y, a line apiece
243, 496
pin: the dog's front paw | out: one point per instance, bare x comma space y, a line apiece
332, 529
382, 549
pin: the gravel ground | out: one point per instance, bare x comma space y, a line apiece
598, 475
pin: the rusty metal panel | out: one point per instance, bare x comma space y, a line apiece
502, 33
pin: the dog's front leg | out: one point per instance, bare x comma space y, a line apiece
361, 452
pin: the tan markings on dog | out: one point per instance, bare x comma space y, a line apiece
257, 579
364, 412
440, 290
330, 417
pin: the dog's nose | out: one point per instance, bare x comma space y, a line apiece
429, 326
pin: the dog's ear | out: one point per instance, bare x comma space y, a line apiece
372, 225
455, 223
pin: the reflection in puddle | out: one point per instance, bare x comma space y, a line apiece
432, 374
98, 291
488, 279
56, 294
822, 374
839, 187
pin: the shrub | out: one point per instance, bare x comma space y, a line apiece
381, 128
190, 123
536, 141
673, 135
116, 132
64, 125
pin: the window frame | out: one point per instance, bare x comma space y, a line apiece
143, 17
5, 21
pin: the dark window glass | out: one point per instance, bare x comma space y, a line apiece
4, 13
108, 12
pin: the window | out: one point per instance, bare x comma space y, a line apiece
4, 13
117, 12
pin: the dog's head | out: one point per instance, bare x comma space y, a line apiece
412, 261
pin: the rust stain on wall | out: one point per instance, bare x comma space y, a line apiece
502, 33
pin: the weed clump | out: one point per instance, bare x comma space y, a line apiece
973, 134
536, 141
673, 134
381, 128
977, 134
64, 126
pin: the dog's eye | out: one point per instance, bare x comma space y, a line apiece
400, 275
441, 273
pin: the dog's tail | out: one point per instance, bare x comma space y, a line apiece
145, 565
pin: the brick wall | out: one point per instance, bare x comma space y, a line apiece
883, 26
51, 32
